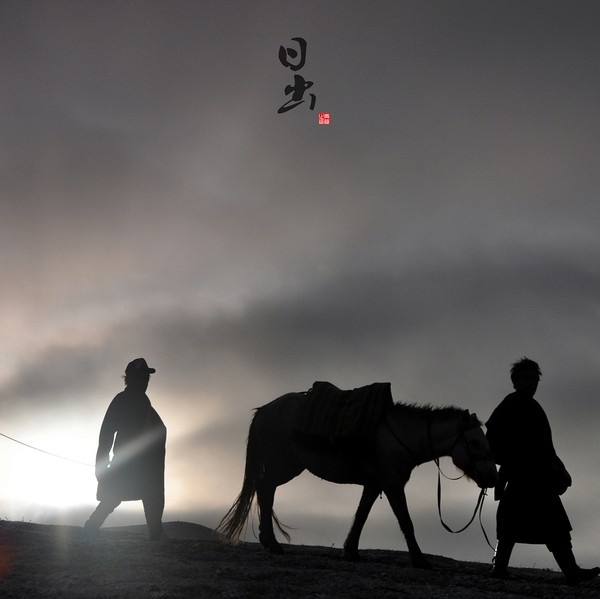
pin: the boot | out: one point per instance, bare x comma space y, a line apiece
91, 532
157, 532
91, 529
501, 559
573, 573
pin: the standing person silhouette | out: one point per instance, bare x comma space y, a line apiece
134, 432
531, 478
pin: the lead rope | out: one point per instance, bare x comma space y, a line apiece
484, 493
54, 455
478, 505
480, 499
478, 509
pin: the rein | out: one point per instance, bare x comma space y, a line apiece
478, 505
480, 499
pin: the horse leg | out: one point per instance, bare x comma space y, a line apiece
397, 500
367, 500
265, 495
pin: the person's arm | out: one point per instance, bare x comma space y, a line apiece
106, 438
496, 436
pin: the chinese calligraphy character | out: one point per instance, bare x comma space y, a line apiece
300, 84
285, 52
299, 87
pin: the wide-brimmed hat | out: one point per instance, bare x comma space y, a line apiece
139, 366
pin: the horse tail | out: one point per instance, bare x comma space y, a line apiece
233, 523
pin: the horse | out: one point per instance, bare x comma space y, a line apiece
407, 436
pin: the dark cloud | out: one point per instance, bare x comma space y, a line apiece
361, 322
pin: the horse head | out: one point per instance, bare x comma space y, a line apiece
471, 452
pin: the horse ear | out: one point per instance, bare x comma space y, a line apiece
469, 420
474, 420
464, 421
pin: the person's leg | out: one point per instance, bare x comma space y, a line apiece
563, 554
154, 506
99, 515
502, 557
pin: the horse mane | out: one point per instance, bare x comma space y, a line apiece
427, 410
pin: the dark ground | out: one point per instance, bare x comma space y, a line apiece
55, 561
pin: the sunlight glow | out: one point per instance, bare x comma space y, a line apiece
30, 476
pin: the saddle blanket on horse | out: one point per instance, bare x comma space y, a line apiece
336, 415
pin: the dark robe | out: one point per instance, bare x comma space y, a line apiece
530, 509
138, 465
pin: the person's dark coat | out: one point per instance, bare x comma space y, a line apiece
532, 476
138, 465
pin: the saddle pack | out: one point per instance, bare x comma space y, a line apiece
334, 416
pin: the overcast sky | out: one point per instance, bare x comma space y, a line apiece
155, 204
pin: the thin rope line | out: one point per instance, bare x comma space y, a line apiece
54, 455
484, 491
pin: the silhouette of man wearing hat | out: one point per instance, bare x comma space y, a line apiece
135, 433
531, 478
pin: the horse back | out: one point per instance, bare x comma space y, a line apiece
278, 418
287, 450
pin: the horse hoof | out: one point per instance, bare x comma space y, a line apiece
422, 563
351, 556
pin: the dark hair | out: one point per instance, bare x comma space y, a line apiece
524, 365
128, 378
